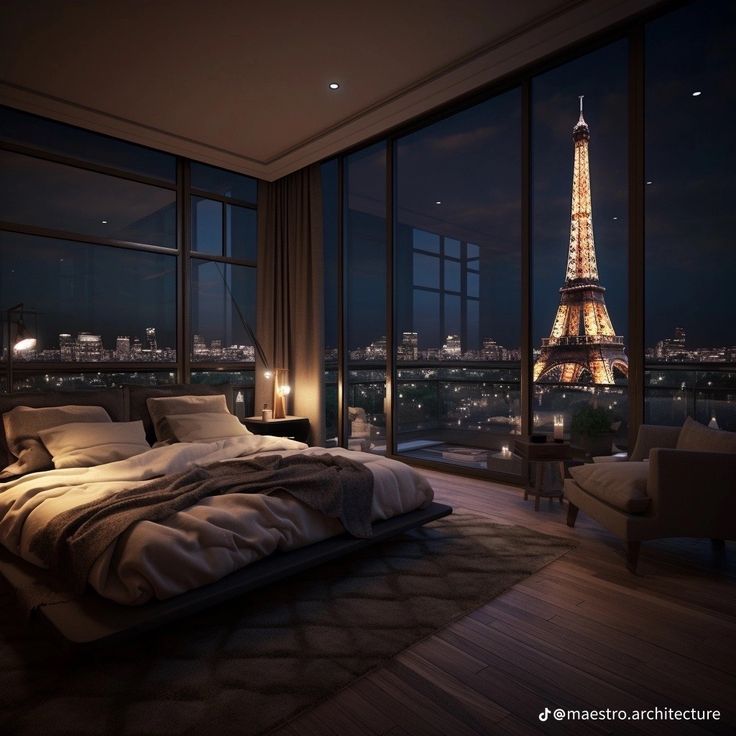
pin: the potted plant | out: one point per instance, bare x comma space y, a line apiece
591, 430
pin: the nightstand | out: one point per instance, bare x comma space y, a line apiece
547, 460
293, 428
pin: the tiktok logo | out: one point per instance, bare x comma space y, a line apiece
544, 715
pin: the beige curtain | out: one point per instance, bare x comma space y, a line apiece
290, 298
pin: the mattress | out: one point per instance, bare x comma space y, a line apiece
205, 542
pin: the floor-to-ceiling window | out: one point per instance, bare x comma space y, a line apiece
95, 248
457, 287
332, 321
364, 243
461, 229
690, 266
579, 151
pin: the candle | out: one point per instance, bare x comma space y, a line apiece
505, 452
558, 432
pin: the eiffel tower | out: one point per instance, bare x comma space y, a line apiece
582, 347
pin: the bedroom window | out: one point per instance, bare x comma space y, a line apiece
457, 287
690, 259
90, 245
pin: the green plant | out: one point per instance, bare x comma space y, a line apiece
591, 421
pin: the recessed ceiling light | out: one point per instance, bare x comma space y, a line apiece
615, 218
649, 182
697, 93
104, 222
439, 201
334, 85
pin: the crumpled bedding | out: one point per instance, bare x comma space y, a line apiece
205, 542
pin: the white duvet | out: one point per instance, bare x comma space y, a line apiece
204, 542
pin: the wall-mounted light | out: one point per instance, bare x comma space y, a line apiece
334, 85
19, 338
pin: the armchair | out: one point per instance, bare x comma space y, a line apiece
679, 482
361, 430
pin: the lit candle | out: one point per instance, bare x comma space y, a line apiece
558, 432
505, 451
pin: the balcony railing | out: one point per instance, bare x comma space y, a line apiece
583, 340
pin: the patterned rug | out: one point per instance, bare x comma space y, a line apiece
248, 666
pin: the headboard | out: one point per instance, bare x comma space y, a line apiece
123, 404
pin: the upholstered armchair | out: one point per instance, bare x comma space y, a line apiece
678, 482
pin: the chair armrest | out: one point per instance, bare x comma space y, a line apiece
693, 489
651, 436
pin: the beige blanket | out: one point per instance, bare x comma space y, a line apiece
204, 542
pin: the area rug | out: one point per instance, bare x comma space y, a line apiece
248, 666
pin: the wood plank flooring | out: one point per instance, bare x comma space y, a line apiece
581, 633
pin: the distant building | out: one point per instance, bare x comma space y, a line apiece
88, 348
122, 348
672, 348
66, 347
452, 347
151, 339
409, 348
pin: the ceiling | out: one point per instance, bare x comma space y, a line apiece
244, 84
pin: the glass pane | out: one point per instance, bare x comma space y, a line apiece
690, 259
365, 255
452, 275
223, 182
452, 248
473, 284
207, 226
425, 329
220, 294
366, 391
426, 271
426, 241
445, 409
67, 140
580, 280
91, 302
330, 211
242, 233
50, 195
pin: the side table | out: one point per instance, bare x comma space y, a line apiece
293, 428
543, 459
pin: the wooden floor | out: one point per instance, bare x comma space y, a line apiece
582, 633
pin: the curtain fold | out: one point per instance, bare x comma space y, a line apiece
290, 309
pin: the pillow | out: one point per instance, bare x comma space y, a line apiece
205, 426
695, 436
623, 485
83, 444
162, 406
23, 425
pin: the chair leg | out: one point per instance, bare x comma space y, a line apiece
632, 555
572, 514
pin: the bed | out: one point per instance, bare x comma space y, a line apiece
219, 546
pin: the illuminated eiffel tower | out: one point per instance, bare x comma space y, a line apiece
582, 347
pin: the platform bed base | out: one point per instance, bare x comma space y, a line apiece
92, 619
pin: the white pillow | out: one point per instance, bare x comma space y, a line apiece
84, 444
206, 426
